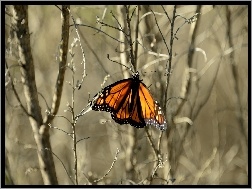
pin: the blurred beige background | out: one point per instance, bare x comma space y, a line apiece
214, 148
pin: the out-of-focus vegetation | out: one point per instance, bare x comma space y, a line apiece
207, 111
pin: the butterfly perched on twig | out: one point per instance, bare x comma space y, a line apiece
130, 102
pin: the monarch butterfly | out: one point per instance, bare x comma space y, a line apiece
130, 102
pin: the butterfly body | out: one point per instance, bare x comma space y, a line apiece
130, 102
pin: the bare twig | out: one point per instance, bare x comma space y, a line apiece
111, 167
161, 31
82, 139
62, 65
40, 131
124, 58
58, 116
69, 134
82, 52
186, 87
235, 75
15, 92
113, 27
131, 54
44, 100
136, 32
156, 152
166, 14
170, 57
99, 31
70, 177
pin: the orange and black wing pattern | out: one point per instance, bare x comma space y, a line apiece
151, 110
130, 102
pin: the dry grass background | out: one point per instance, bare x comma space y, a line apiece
213, 150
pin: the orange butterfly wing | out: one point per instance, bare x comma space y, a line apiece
129, 101
112, 96
151, 110
130, 111
115, 98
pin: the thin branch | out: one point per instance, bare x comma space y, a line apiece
44, 100
156, 152
98, 30
166, 14
69, 134
188, 83
133, 12
235, 74
111, 167
136, 32
40, 131
62, 65
93, 52
132, 59
121, 28
70, 177
82, 139
124, 57
161, 31
170, 57
186, 87
15, 92
82, 52
49, 113
159, 165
